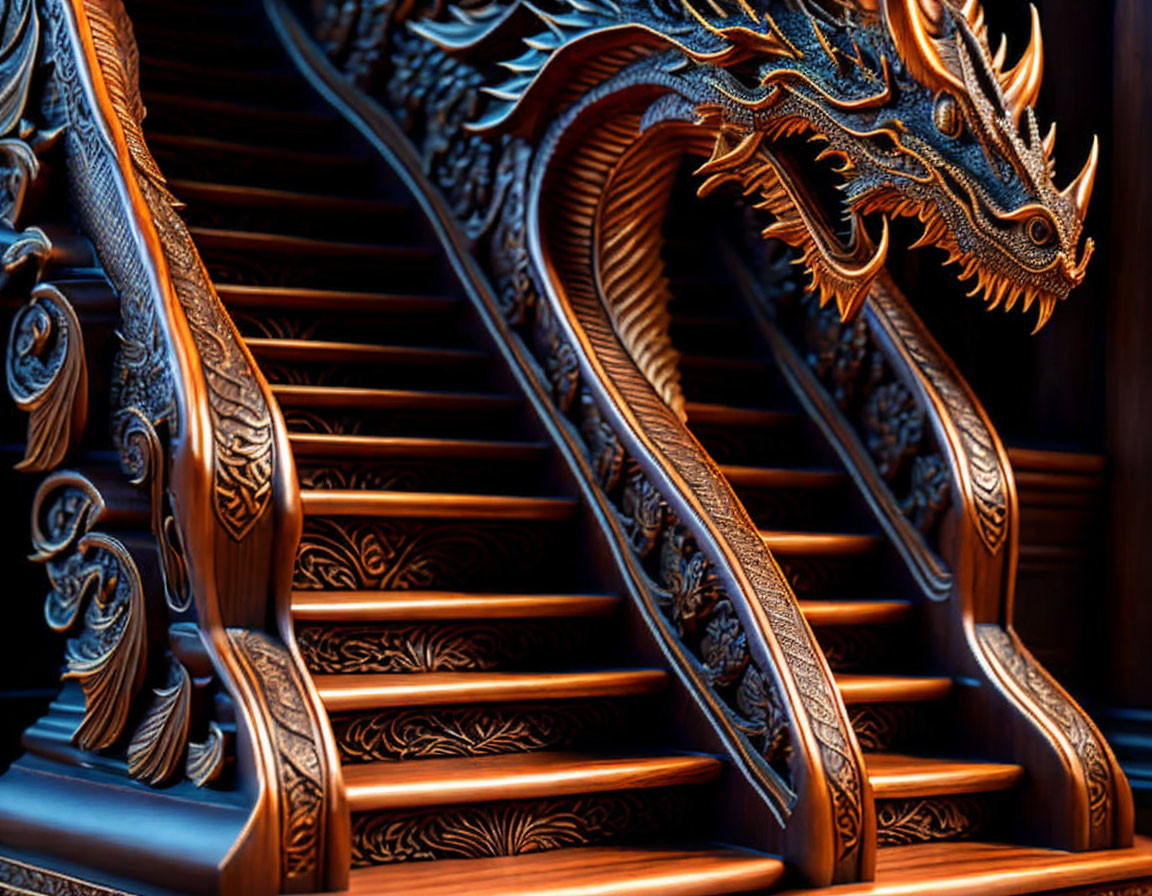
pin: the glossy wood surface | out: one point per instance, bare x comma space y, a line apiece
893, 776
379, 606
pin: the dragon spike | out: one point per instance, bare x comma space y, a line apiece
914, 26
1001, 54
1079, 192
1050, 142
1022, 83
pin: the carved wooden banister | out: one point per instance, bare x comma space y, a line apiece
937, 476
722, 611
197, 427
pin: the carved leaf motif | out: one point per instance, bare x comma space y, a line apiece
157, 746
19, 43
48, 377
107, 658
603, 446
644, 513
689, 580
207, 760
931, 491
724, 647
894, 425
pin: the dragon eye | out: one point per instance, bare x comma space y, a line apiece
1039, 230
946, 114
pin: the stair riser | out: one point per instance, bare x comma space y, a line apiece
344, 554
464, 474
808, 509
897, 727
431, 423
770, 446
751, 386
922, 820
443, 647
225, 166
449, 375
874, 648
318, 223
440, 732
829, 576
436, 327
518, 827
401, 273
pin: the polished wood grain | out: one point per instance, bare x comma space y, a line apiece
381, 447
769, 477
390, 399
347, 692
304, 159
427, 505
438, 782
704, 413
820, 544
209, 238
855, 612
320, 351
380, 606
246, 195
991, 869
894, 776
288, 298
855, 689
593, 871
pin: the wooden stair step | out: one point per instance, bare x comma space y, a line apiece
287, 247
854, 612
722, 363
587, 871
311, 160
439, 782
285, 298
896, 776
781, 477
434, 505
992, 869
706, 414
354, 692
400, 447
322, 351
820, 544
388, 606
351, 397
856, 689
245, 195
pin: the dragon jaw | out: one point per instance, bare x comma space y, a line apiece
983, 191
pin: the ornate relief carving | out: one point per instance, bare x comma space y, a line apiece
48, 377
472, 730
351, 554
1049, 698
508, 829
430, 647
20, 879
157, 746
96, 591
886, 726
901, 822
300, 768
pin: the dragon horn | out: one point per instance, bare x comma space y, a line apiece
914, 25
1050, 142
1079, 192
1022, 84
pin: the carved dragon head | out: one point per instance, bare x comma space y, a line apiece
920, 117
924, 121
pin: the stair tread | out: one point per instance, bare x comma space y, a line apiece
781, 477
253, 195
856, 689
357, 691
990, 869
283, 298
208, 238
389, 399
854, 612
703, 413
896, 776
585, 871
306, 444
820, 543
434, 782
434, 505
320, 350
381, 606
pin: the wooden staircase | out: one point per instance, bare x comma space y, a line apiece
486, 714
497, 734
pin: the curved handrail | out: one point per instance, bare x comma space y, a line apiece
1076, 796
234, 520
